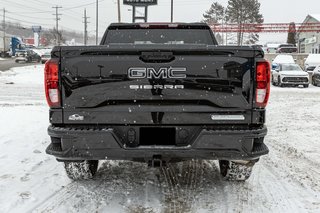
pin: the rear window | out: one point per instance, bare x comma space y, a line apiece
159, 36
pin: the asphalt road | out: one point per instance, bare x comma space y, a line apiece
7, 64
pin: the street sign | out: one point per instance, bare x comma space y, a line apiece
311, 40
140, 2
36, 29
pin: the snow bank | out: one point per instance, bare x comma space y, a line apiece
24, 75
27, 174
22, 86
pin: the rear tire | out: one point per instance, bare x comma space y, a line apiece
81, 170
306, 85
232, 171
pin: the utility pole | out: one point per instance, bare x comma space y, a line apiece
4, 31
171, 11
57, 21
85, 27
119, 12
97, 21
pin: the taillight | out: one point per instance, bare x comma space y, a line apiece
51, 82
262, 83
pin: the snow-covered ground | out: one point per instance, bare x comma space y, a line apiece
287, 180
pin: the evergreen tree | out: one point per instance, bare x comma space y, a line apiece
292, 34
215, 14
244, 12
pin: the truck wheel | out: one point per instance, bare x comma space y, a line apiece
233, 171
306, 85
81, 170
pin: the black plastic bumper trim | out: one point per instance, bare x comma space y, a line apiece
102, 143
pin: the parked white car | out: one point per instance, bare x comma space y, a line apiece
311, 62
282, 59
289, 74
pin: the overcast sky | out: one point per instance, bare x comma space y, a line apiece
39, 12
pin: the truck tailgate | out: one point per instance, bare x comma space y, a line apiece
212, 81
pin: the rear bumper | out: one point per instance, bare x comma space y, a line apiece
68, 144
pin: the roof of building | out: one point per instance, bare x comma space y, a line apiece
315, 16
307, 19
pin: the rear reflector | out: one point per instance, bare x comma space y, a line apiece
262, 83
51, 82
261, 95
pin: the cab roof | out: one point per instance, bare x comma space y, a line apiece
160, 25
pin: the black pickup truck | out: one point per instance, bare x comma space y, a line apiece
157, 93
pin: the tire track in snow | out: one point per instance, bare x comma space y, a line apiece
170, 194
215, 195
182, 180
185, 185
297, 169
55, 198
278, 193
194, 181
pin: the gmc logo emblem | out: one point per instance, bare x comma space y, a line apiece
162, 73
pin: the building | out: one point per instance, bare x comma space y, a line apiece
30, 41
309, 42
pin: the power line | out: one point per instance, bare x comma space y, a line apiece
43, 11
22, 6
24, 16
27, 22
57, 21
41, 2
73, 17
83, 5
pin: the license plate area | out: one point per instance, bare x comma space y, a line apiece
157, 136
